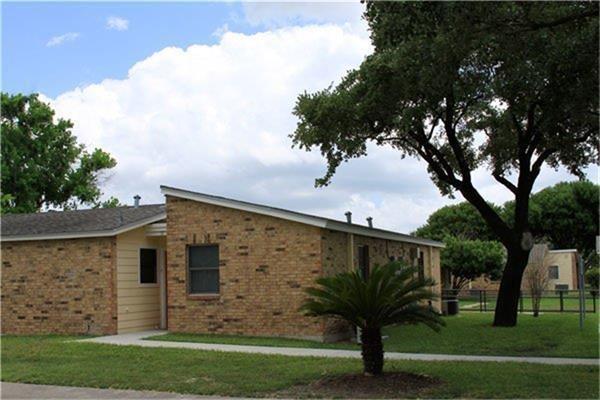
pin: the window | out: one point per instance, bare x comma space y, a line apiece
363, 261
421, 265
553, 272
203, 269
148, 266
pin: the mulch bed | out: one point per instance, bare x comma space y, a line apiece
388, 385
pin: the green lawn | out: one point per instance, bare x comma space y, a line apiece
58, 361
551, 335
549, 304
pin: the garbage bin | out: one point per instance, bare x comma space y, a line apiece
451, 306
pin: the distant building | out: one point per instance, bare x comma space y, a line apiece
562, 271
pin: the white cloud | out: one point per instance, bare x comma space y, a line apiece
281, 13
117, 23
216, 119
58, 40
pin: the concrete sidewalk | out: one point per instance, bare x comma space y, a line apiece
29, 391
135, 339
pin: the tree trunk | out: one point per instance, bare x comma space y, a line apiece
507, 305
372, 351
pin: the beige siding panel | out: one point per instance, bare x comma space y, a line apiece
135, 300
134, 308
138, 305
139, 325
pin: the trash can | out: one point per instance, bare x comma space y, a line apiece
451, 305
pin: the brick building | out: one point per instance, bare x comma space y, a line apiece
199, 263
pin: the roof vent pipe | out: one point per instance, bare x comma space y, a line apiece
370, 221
136, 201
348, 215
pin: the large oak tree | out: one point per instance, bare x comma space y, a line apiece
507, 86
42, 163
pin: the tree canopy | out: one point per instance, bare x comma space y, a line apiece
42, 163
508, 86
470, 259
458, 221
565, 215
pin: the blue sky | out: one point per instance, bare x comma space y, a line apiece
29, 65
200, 96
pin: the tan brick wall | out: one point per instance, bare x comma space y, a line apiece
265, 265
335, 256
335, 260
59, 286
335, 252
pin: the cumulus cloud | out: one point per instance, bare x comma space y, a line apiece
58, 40
117, 23
217, 119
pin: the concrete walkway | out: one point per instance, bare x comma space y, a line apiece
29, 391
135, 339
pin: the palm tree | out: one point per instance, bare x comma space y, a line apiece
392, 294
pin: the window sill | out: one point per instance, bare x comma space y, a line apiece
204, 296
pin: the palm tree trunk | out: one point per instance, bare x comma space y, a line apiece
372, 351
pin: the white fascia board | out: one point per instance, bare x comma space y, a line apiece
563, 251
238, 205
292, 216
380, 234
81, 235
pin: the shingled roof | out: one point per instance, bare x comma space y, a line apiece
79, 223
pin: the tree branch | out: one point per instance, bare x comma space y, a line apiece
465, 171
502, 179
563, 20
537, 164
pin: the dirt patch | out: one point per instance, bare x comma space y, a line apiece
388, 385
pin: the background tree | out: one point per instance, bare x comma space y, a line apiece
42, 163
592, 278
509, 86
566, 215
459, 221
391, 294
536, 276
470, 259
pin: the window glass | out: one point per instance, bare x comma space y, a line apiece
203, 269
148, 266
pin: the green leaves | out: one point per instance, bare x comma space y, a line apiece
470, 259
391, 295
42, 163
460, 220
509, 86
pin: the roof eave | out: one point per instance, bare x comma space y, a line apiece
87, 234
366, 231
291, 216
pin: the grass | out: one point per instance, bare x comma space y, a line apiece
549, 304
59, 361
549, 335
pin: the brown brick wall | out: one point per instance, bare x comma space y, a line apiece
265, 265
59, 286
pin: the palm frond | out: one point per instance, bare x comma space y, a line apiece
392, 294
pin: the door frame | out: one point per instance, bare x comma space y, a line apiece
162, 291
